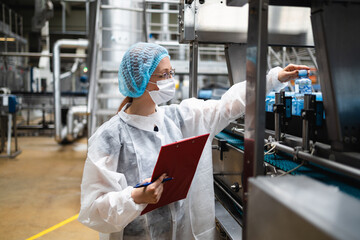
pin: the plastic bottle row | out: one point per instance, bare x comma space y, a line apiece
297, 102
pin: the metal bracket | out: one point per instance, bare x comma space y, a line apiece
222, 147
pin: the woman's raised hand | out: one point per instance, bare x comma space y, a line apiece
290, 72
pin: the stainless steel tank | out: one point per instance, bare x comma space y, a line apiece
122, 26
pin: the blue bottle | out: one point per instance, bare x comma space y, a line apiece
303, 83
302, 86
269, 102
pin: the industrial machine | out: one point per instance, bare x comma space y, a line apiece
316, 146
290, 167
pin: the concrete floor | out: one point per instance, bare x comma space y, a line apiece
41, 188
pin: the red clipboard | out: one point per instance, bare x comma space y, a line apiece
179, 160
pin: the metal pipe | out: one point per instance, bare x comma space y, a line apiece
284, 57
21, 27
16, 32
72, 132
312, 57
31, 54
275, 55
9, 134
10, 21
165, 21
69, 43
4, 26
87, 7
3, 15
63, 20
145, 22
349, 171
139, 9
296, 55
194, 53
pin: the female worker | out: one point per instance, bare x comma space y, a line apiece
124, 150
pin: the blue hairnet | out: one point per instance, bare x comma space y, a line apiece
137, 66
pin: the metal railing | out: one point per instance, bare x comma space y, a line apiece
11, 27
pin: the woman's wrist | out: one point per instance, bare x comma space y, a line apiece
136, 195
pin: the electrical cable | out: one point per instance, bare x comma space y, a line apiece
292, 170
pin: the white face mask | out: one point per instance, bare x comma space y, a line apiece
165, 93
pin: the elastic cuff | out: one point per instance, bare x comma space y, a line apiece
277, 85
138, 207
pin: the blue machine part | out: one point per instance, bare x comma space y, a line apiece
8, 103
288, 108
12, 103
319, 113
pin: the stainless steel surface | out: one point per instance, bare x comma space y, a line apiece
229, 168
236, 62
193, 67
187, 22
228, 195
238, 3
126, 28
348, 171
232, 229
131, 9
67, 43
238, 130
119, 24
216, 22
255, 91
300, 208
94, 71
337, 49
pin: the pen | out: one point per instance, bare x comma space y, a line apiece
139, 185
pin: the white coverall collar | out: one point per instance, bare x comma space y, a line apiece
146, 123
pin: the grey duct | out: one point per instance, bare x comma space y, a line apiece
60, 133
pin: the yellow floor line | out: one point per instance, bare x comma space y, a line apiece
53, 227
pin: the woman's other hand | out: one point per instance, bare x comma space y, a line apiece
290, 72
149, 194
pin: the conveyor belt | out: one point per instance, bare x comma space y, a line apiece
284, 162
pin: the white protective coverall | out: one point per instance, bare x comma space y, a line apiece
123, 152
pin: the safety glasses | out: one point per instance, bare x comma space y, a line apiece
165, 75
